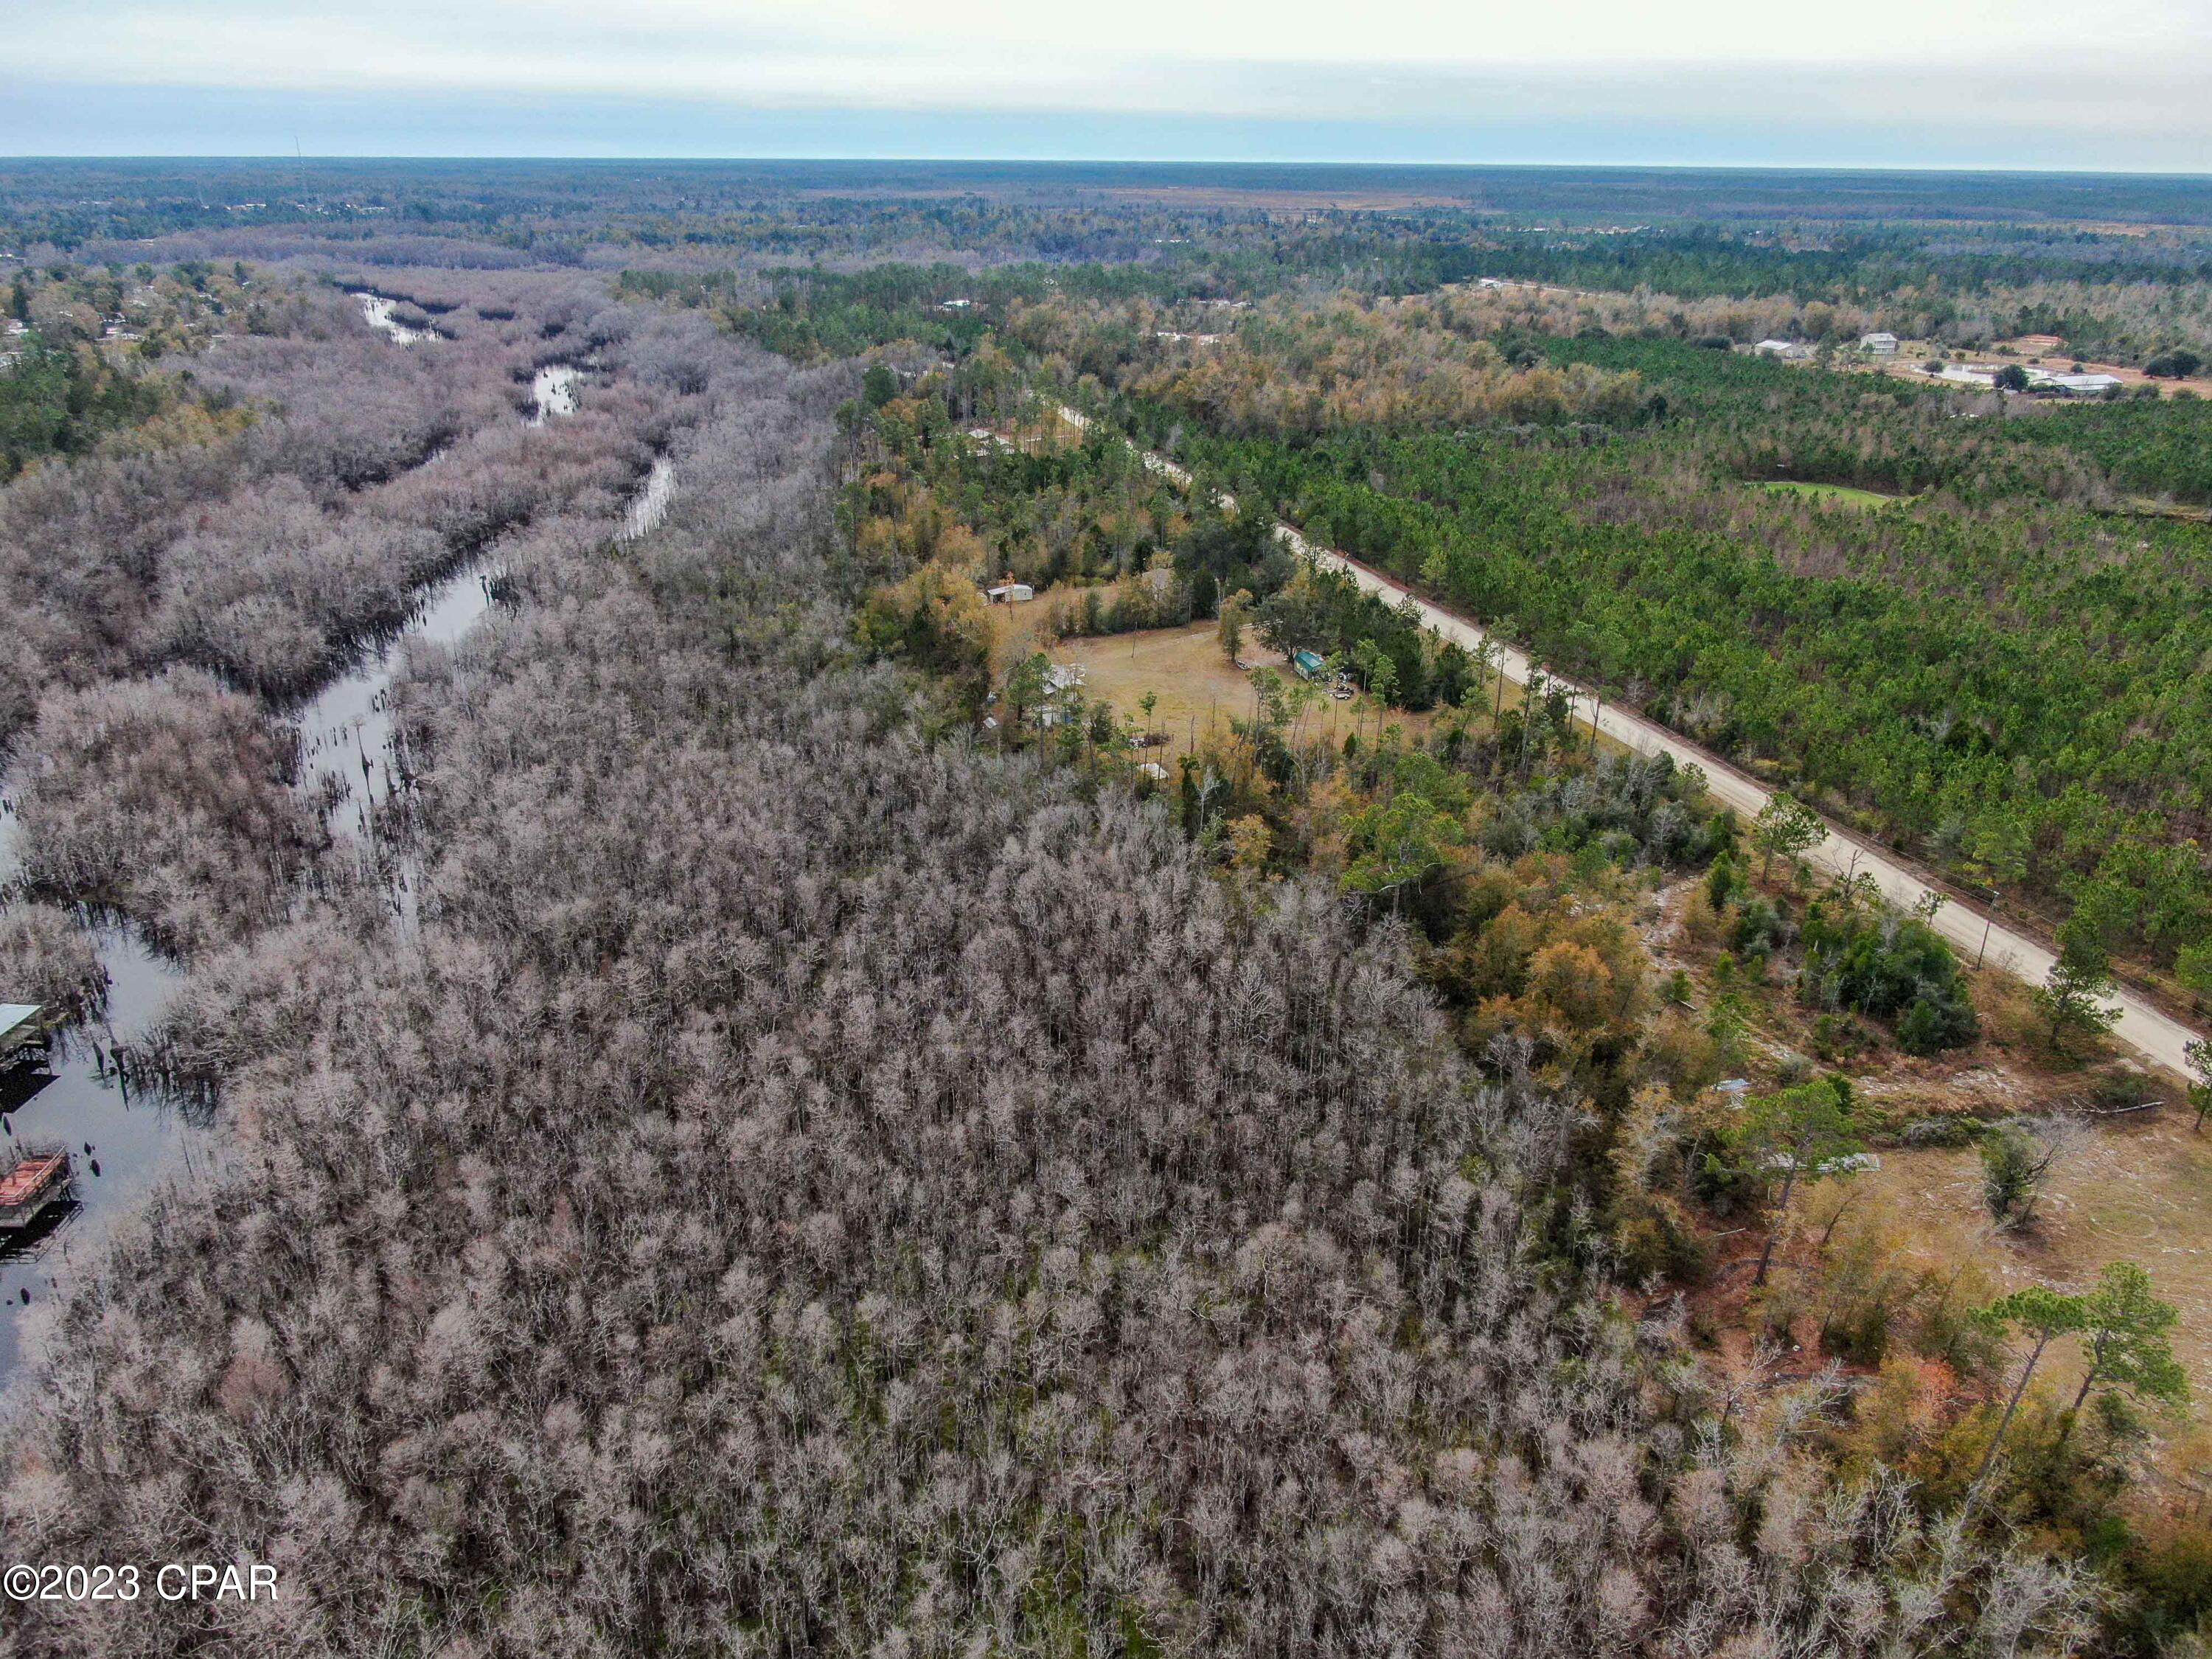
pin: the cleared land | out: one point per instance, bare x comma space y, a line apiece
1910, 354
1199, 692
2134, 1192
1835, 495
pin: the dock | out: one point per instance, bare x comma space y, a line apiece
37, 1180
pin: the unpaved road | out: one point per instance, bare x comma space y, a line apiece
2155, 1035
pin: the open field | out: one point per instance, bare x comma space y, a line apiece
2135, 1191
1199, 692
2132, 1190
1829, 495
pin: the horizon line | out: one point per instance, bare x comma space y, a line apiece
1956, 169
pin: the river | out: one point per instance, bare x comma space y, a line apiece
345, 729
345, 754
78, 1100
119, 1142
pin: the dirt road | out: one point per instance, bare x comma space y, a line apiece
2155, 1035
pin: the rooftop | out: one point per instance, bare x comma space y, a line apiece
32, 1172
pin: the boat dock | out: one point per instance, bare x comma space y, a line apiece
36, 1180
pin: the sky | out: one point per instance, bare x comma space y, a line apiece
1970, 83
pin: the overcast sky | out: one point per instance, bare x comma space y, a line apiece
2029, 84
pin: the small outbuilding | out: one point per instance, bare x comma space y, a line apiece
1789, 350
1010, 593
22, 1032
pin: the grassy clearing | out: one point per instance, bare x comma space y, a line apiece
1199, 692
1830, 495
2143, 507
2134, 1192
2137, 1189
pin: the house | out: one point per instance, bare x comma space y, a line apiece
1061, 676
956, 305
1880, 344
1789, 350
1010, 593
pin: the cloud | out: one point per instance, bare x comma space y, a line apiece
2023, 83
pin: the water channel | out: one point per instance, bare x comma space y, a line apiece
378, 310
122, 1141
553, 389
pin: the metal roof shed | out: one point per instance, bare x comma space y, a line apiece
20, 1023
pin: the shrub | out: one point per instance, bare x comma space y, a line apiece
1947, 1130
1892, 967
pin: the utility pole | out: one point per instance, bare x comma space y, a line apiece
1988, 916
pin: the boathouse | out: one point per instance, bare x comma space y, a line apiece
36, 1180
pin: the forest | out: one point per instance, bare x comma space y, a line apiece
1987, 683
766, 1115
1999, 672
